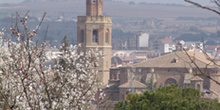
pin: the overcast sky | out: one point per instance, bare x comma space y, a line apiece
10, 1
204, 2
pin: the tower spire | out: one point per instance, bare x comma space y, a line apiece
94, 7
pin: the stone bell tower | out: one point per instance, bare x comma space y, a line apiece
95, 30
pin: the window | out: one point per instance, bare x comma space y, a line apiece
115, 76
198, 86
82, 36
95, 36
107, 36
128, 91
94, 1
170, 81
175, 60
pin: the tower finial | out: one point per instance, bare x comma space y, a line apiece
94, 7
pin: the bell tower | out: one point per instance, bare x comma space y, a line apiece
95, 30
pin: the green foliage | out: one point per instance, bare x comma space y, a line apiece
171, 97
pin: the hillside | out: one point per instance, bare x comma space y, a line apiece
119, 9
157, 19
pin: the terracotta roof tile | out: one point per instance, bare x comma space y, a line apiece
178, 59
211, 47
137, 85
166, 40
126, 58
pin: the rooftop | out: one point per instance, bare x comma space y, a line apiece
136, 84
180, 59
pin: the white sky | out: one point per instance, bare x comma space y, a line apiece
10, 1
204, 2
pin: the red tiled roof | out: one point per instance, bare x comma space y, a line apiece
126, 58
136, 84
211, 47
182, 59
166, 40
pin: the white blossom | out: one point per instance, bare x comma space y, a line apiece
28, 83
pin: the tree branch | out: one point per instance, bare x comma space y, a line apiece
203, 73
203, 7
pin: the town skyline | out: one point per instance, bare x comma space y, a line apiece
121, 47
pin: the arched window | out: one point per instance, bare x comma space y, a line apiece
107, 36
198, 86
115, 76
95, 36
94, 1
82, 36
170, 81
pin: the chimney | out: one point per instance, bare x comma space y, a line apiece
179, 47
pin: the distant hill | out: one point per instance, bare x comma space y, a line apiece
116, 9
157, 19
182, 2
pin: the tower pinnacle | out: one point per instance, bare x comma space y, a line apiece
94, 7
